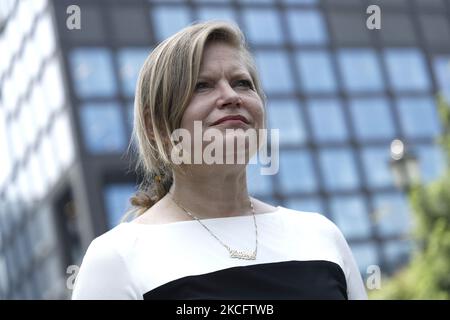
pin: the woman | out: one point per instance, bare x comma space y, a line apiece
198, 234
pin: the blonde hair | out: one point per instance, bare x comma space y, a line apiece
164, 89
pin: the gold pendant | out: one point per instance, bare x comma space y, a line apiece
242, 255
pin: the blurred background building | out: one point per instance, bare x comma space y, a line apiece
339, 92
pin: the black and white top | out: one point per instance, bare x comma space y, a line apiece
301, 255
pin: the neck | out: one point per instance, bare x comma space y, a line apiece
212, 192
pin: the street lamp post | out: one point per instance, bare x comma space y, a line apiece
405, 169
404, 166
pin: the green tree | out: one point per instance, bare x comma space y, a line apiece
427, 276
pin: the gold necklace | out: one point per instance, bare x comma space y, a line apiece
237, 254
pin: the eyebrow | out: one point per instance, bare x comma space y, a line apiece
233, 75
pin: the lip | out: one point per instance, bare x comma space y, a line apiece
231, 117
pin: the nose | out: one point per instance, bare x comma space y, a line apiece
228, 97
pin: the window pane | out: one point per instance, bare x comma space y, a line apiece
285, 115
16, 139
92, 72
307, 26
392, 214
296, 172
258, 184
360, 70
372, 118
339, 169
44, 35
52, 84
130, 62
103, 127
406, 69
275, 71
442, 73
10, 94
38, 181
61, 134
116, 197
169, 20
38, 103
209, 13
47, 153
316, 71
263, 26
376, 165
365, 255
397, 253
350, 215
327, 120
418, 117
431, 161
26, 122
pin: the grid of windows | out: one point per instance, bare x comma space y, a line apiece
98, 73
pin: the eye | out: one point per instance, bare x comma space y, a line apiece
244, 83
201, 86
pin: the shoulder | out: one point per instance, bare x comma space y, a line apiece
311, 221
323, 240
317, 233
104, 272
116, 241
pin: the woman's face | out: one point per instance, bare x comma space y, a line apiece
224, 88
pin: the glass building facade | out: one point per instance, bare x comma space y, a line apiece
37, 149
339, 92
